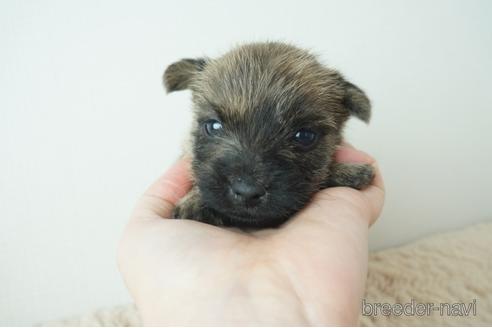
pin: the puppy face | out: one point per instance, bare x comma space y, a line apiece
268, 117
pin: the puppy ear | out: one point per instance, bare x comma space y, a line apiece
356, 102
179, 74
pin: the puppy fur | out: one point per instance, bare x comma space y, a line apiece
262, 95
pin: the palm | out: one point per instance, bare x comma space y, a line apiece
310, 271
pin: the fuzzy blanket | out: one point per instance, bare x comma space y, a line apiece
444, 279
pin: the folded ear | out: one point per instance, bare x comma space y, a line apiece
356, 102
179, 74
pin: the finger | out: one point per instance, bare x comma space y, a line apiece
161, 197
374, 193
346, 153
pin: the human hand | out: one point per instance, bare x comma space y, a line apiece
310, 271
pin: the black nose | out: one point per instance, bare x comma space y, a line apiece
246, 190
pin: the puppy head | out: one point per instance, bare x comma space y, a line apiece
268, 117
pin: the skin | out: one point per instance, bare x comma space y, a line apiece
310, 271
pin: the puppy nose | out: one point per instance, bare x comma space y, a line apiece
247, 190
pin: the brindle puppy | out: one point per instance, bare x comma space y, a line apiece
268, 119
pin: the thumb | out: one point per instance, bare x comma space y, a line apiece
161, 197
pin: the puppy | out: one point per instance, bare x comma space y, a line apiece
268, 118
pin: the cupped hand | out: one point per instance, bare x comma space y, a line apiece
310, 271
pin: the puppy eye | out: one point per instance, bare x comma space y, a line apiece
305, 137
213, 127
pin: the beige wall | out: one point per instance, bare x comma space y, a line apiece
85, 124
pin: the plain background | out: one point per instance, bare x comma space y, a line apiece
85, 124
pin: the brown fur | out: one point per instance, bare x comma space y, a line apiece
263, 93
